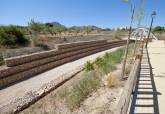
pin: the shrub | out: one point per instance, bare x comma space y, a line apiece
116, 56
89, 66
128, 69
99, 62
101, 65
107, 56
108, 61
116, 37
131, 47
12, 36
112, 80
82, 89
35, 26
1, 59
159, 29
105, 64
92, 79
63, 92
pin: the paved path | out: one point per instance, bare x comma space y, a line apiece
144, 98
156, 51
149, 94
34, 83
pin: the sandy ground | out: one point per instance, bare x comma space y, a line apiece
101, 101
157, 57
34, 83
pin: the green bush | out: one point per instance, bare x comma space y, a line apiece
104, 64
89, 66
159, 29
116, 56
131, 47
82, 89
101, 65
12, 36
92, 79
100, 62
1, 59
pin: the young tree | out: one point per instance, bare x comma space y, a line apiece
49, 28
139, 18
88, 30
60, 30
35, 28
76, 31
128, 40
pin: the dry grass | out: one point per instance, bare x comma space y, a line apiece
80, 90
54, 103
128, 69
112, 80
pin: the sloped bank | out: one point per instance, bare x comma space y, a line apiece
70, 98
23, 67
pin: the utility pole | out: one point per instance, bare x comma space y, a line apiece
152, 16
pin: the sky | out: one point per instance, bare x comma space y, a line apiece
102, 13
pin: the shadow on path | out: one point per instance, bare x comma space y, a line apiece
145, 99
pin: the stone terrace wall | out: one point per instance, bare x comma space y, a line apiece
60, 48
23, 67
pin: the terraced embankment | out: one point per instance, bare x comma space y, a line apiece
55, 75
22, 67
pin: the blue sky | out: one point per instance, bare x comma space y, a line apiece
102, 13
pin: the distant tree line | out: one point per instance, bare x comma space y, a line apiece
12, 36
159, 29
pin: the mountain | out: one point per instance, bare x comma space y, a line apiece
57, 24
82, 27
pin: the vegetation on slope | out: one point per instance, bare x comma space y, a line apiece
1, 59
11, 36
69, 97
92, 77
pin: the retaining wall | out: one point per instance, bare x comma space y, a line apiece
22, 67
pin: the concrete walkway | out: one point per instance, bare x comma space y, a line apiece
149, 94
156, 51
34, 83
145, 94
